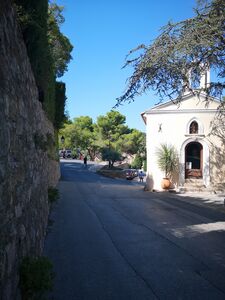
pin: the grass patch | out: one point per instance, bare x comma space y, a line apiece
53, 195
36, 277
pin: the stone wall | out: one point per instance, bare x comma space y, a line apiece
27, 168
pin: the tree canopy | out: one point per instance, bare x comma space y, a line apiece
80, 135
133, 142
108, 138
111, 127
49, 51
60, 45
182, 50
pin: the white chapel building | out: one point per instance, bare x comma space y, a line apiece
194, 128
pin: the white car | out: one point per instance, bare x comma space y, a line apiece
65, 153
68, 153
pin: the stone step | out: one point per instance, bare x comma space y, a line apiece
197, 187
193, 185
193, 189
194, 181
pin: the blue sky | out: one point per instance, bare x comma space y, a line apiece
103, 32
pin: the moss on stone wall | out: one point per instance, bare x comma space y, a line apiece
33, 17
60, 98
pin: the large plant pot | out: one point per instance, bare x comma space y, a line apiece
165, 183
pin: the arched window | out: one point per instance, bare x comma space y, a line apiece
193, 129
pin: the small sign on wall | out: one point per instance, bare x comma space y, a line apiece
188, 165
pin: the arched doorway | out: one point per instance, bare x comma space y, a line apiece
193, 160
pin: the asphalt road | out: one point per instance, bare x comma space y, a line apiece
111, 240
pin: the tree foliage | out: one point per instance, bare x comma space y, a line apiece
84, 136
218, 123
111, 127
182, 50
33, 17
60, 45
48, 49
110, 155
133, 142
137, 162
109, 137
80, 135
60, 101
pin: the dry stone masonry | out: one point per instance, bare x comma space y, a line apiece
27, 169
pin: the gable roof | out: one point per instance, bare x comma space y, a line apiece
191, 102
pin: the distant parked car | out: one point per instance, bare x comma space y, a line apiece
131, 174
68, 153
61, 153
65, 153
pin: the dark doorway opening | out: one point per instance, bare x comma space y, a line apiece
193, 160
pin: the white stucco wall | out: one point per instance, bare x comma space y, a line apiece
169, 123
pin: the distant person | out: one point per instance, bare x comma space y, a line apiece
85, 161
141, 176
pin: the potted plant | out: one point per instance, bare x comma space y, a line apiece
167, 162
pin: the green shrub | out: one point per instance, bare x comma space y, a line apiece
53, 194
137, 162
36, 277
60, 100
145, 165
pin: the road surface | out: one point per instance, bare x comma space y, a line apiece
110, 240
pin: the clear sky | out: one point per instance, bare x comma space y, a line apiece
103, 32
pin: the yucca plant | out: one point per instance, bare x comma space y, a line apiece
167, 159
